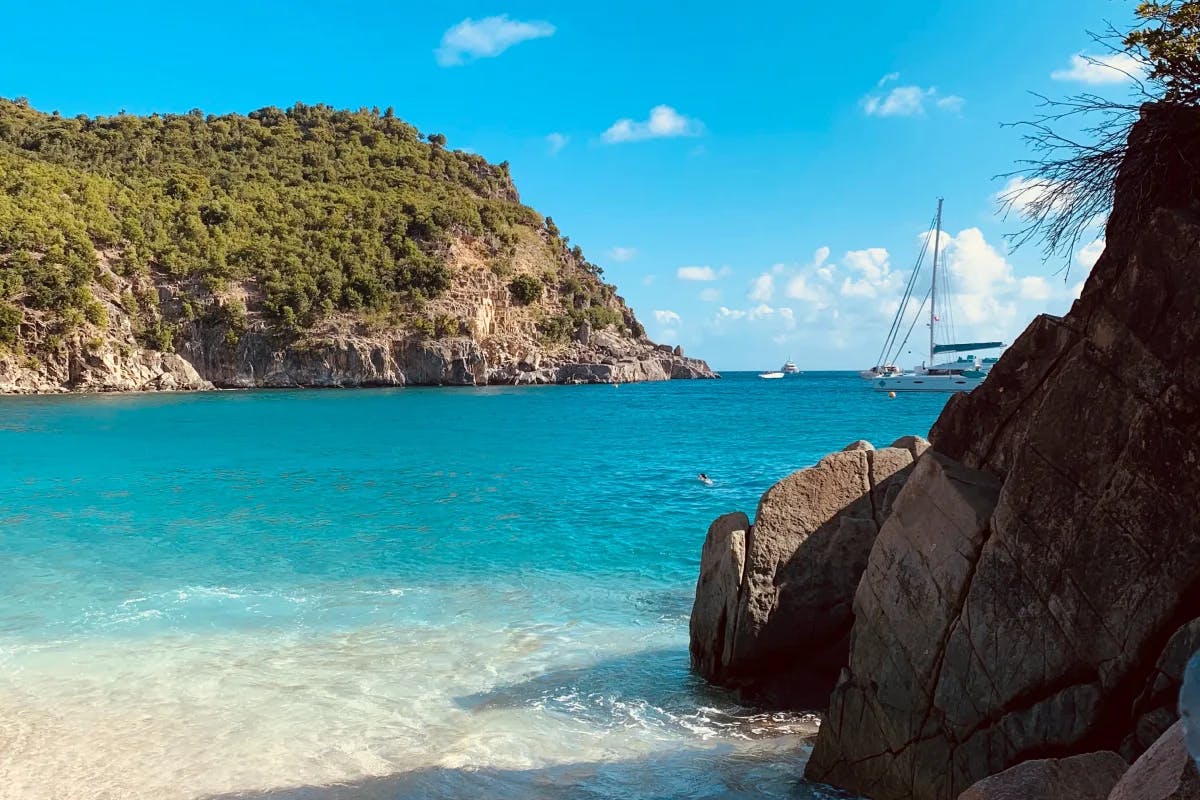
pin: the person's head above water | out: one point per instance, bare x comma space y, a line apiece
703, 477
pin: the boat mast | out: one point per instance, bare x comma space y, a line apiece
937, 238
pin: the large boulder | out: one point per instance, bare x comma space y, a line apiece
1166, 771
722, 563
1156, 708
772, 614
1084, 777
907, 607
1044, 624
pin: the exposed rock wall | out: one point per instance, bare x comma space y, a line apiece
498, 342
1032, 601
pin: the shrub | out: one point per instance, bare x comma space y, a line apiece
95, 312
557, 328
10, 323
446, 325
526, 289
423, 327
603, 316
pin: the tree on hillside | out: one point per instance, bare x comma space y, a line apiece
1080, 142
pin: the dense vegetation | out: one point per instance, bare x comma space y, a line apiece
325, 211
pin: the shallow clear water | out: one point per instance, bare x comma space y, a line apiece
390, 594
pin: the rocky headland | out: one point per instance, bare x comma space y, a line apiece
302, 247
499, 342
1008, 613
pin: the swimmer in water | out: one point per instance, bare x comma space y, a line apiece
705, 479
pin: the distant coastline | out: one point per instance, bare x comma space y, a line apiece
180, 252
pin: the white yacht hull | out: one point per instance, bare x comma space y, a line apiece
872, 374
927, 383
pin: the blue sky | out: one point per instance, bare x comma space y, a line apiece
755, 179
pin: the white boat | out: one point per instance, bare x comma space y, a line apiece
963, 373
882, 371
770, 375
790, 368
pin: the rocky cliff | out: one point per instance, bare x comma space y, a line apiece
490, 338
300, 247
1047, 610
1027, 606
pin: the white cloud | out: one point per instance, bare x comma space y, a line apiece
798, 286
873, 271
728, 313
557, 141
666, 317
622, 253
1024, 195
872, 262
1089, 254
907, 101
977, 267
710, 295
485, 38
649, 279
664, 122
903, 101
696, 274
951, 102
763, 288
846, 303
763, 318
799, 289
1100, 70
982, 284
1035, 287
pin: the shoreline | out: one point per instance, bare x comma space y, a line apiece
330, 387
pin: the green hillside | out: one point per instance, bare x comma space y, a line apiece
322, 212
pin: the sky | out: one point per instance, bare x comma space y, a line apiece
756, 180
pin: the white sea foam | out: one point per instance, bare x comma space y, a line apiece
413, 711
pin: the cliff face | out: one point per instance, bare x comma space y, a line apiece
495, 340
1036, 590
299, 247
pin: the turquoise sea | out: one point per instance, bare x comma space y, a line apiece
415, 593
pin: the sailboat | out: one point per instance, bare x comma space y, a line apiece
961, 374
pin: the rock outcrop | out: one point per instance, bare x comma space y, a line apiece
498, 342
1165, 771
772, 613
1034, 591
1084, 777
